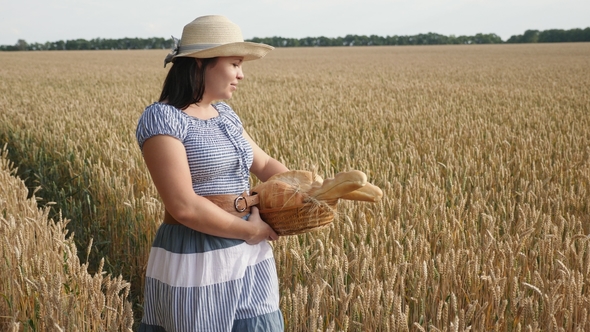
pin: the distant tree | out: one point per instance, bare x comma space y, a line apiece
21, 45
60, 45
348, 40
552, 36
575, 35
490, 38
77, 44
376, 40
530, 36
514, 39
324, 41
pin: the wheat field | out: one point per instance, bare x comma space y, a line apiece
482, 152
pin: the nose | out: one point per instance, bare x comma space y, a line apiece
240, 74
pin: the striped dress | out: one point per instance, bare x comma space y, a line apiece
195, 281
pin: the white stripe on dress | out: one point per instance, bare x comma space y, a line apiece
185, 270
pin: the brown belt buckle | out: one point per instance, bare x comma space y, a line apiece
237, 203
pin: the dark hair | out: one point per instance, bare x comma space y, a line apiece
185, 82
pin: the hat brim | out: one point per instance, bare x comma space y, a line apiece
247, 50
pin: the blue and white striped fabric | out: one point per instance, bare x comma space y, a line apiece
195, 281
219, 156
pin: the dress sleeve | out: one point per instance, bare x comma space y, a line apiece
160, 119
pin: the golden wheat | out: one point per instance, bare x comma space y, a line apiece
44, 286
482, 153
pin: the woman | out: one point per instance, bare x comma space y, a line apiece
210, 267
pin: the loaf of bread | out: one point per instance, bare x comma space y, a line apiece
302, 180
342, 184
367, 193
275, 193
295, 188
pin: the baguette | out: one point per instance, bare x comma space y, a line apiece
341, 184
302, 180
366, 193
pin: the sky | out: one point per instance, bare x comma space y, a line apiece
41, 21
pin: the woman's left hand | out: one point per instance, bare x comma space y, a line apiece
262, 230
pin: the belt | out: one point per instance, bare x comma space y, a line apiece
238, 205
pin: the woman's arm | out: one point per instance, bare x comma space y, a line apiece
263, 165
166, 160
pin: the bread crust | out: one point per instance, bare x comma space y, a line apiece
277, 194
297, 187
367, 193
341, 184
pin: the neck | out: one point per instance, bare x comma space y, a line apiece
201, 111
205, 101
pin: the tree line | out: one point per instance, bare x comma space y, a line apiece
552, 36
356, 40
92, 44
529, 36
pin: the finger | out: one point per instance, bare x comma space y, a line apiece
273, 236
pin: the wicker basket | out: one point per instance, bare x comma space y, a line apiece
300, 219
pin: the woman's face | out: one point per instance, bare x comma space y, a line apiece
222, 79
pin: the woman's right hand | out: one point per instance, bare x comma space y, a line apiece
261, 230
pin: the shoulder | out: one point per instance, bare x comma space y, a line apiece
228, 114
160, 112
161, 119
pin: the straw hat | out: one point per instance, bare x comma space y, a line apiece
213, 36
